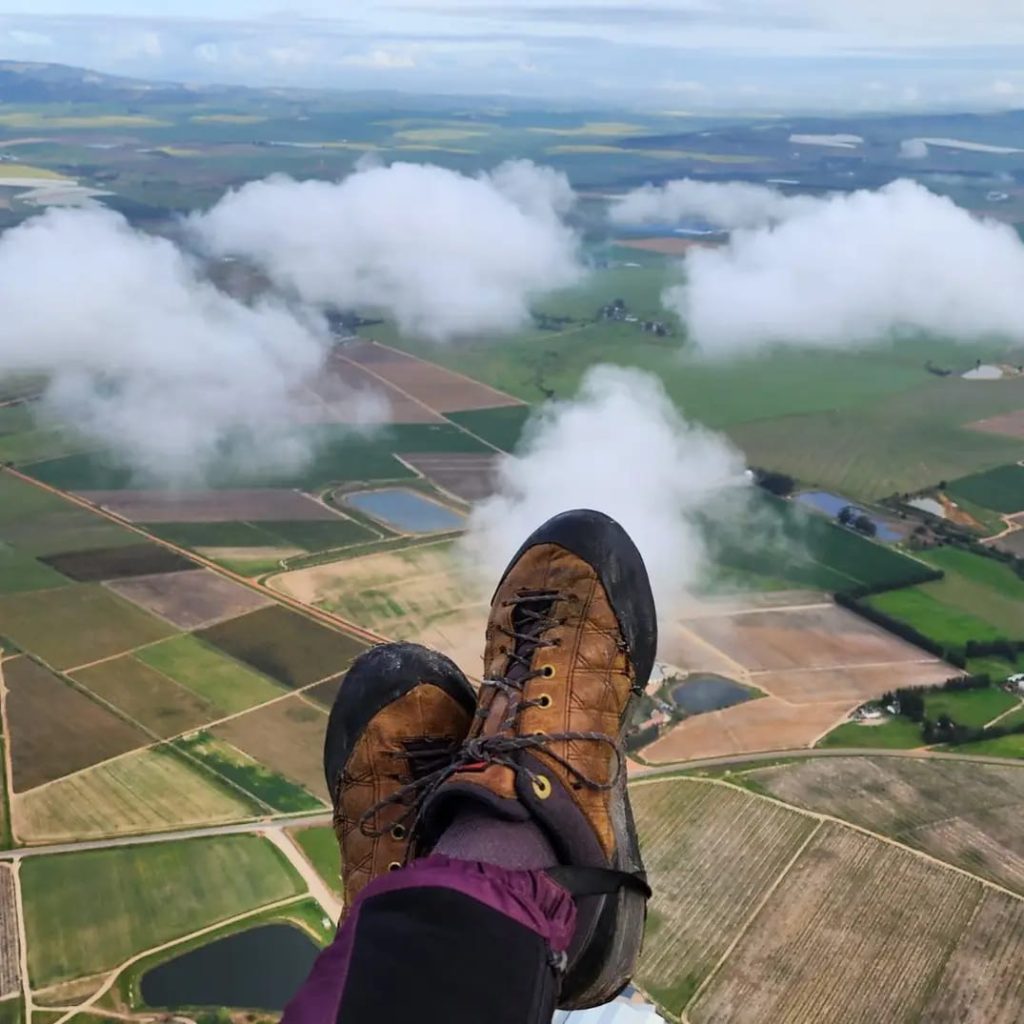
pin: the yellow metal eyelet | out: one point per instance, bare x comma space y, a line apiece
398, 832
544, 701
548, 671
541, 786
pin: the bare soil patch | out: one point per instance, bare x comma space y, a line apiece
55, 729
334, 391
854, 685
117, 563
803, 638
663, 245
438, 388
252, 505
190, 600
758, 725
1012, 542
468, 477
1010, 424
287, 736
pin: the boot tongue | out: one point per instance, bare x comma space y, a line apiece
528, 620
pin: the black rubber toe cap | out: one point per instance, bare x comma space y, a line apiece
377, 678
603, 544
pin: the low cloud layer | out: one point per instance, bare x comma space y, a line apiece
728, 205
442, 253
620, 447
148, 358
854, 269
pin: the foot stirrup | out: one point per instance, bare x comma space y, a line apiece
581, 881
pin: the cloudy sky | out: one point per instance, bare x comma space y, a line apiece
680, 54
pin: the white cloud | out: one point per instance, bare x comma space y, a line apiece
620, 447
442, 253
854, 269
380, 60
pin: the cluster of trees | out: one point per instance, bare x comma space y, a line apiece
853, 517
780, 484
945, 730
910, 703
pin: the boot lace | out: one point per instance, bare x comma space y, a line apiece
531, 621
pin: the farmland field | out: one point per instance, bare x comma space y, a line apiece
269, 787
969, 707
711, 853
55, 729
286, 736
157, 703
500, 427
190, 600
1000, 489
961, 812
412, 594
20, 572
980, 984
78, 624
285, 645
87, 912
147, 791
224, 506
116, 563
224, 682
63, 530
892, 734
320, 847
10, 967
944, 623
468, 477
846, 892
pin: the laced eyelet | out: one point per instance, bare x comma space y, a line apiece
544, 700
394, 866
398, 832
541, 786
548, 671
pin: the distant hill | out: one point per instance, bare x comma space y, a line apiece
32, 82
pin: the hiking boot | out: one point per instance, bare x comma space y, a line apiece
570, 642
400, 715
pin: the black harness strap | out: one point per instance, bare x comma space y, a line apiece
581, 881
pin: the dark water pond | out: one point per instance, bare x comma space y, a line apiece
405, 510
708, 693
259, 969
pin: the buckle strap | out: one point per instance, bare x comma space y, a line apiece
582, 881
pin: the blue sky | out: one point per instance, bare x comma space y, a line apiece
673, 54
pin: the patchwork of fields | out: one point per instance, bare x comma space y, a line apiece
815, 661
757, 908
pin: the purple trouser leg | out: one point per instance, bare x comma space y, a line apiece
451, 941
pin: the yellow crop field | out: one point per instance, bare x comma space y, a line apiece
30, 119
140, 792
228, 118
29, 171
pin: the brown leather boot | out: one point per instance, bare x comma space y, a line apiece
399, 717
570, 641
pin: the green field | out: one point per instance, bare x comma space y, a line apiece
18, 499
969, 707
892, 734
501, 427
11, 1011
226, 683
311, 536
5, 811
88, 912
21, 572
995, 668
937, 620
1003, 746
272, 789
777, 539
1001, 489
77, 624
979, 599
321, 849
339, 456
